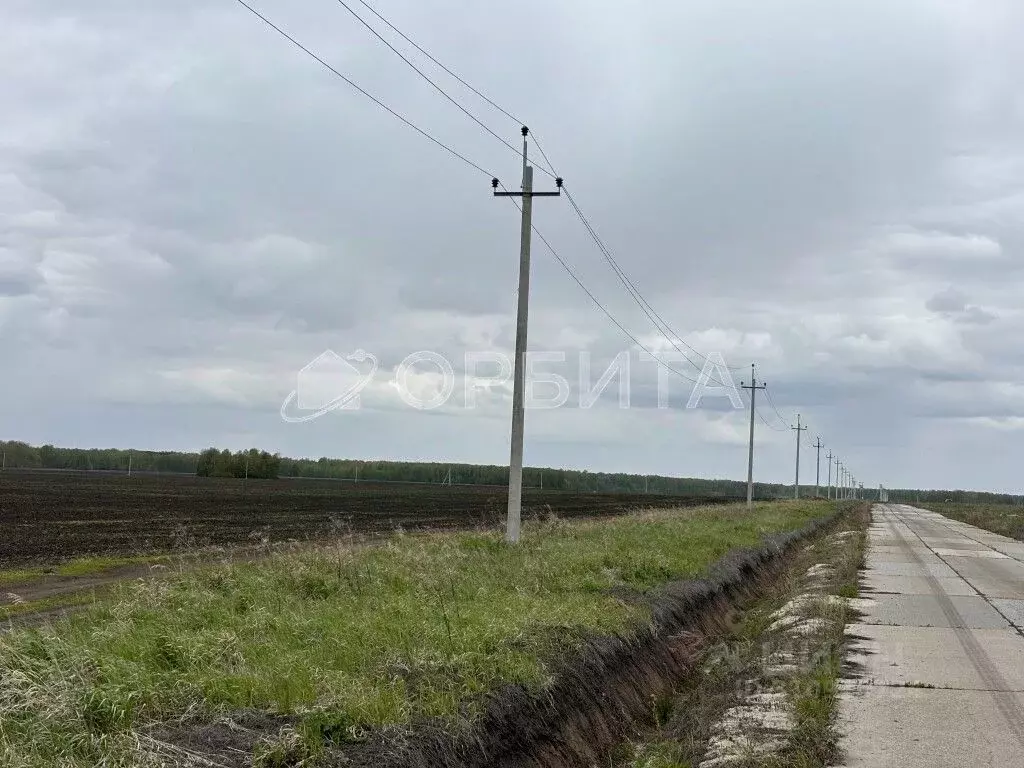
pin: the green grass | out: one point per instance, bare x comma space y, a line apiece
83, 566
1004, 519
348, 639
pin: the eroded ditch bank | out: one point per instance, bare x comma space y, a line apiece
765, 693
731, 671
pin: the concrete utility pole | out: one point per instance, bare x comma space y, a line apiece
129, 463
817, 468
828, 461
839, 481
754, 386
515, 468
796, 482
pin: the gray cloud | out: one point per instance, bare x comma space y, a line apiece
190, 211
949, 300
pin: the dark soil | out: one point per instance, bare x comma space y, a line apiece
48, 516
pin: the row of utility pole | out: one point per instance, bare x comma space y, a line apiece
845, 487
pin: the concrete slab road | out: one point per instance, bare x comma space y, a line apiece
941, 644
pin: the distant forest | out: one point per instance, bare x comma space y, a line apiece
260, 464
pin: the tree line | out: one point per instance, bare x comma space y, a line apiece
21, 455
261, 464
251, 463
911, 495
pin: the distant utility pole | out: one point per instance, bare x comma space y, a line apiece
754, 386
515, 468
796, 482
839, 479
828, 460
817, 468
129, 463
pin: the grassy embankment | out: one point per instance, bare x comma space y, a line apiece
1004, 519
348, 638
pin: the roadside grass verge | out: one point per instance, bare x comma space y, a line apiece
1004, 519
765, 694
344, 639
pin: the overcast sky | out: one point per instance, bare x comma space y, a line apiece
191, 211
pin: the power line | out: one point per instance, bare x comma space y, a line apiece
659, 322
545, 156
361, 90
764, 421
419, 48
423, 74
782, 418
433, 58
569, 270
773, 427
631, 288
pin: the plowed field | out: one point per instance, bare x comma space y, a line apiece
50, 516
